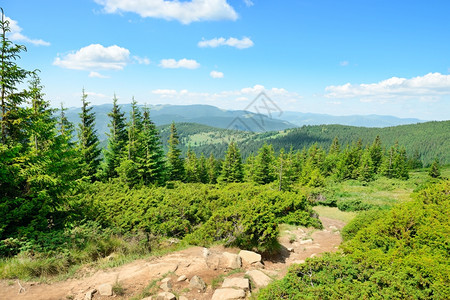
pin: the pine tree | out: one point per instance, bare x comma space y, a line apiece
174, 161
366, 169
134, 129
434, 171
88, 141
150, 159
117, 139
232, 170
190, 166
202, 169
213, 167
376, 154
12, 113
265, 165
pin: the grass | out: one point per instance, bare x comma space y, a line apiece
334, 213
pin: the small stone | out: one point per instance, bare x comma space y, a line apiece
166, 296
197, 283
290, 249
259, 278
313, 255
228, 294
89, 294
240, 283
182, 278
165, 280
250, 256
332, 227
105, 289
233, 261
183, 298
258, 265
166, 285
206, 252
304, 242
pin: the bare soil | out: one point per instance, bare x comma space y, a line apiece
297, 245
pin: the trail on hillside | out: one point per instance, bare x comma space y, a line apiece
208, 264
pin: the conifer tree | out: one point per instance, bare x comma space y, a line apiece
174, 161
434, 171
366, 169
150, 161
213, 169
88, 141
264, 172
12, 114
117, 139
376, 154
232, 169
190, 166
202, 169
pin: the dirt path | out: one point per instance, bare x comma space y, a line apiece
297, 245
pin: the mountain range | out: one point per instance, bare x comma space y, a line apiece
237, 119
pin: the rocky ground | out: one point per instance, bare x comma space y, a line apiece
195, 273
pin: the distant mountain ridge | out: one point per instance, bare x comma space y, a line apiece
301, 119
237, 119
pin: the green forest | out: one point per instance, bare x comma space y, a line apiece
66, 202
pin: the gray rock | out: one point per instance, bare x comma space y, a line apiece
250, 256
105, 289
89, 294
259, 278
166, 285
240, 283
166, 296
182, 278
232, 261
228, 294
197, 283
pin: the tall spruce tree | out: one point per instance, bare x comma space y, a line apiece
191, 166
150, 159
117, 139
265, 165
13, 113
232, 169
174, 160
88, 141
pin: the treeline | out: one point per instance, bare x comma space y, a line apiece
426, 141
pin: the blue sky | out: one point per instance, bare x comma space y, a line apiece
322, 56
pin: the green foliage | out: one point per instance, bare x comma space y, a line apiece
232, 169
434, 172
174, 160
400, 254
117, 139
88, 141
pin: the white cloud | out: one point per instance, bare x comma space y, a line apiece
95, 57
230, 99
97, 75
249, 3
344, 63
142, 60
421, 87
216, 74
182, 11
16, 35
243, 43
182, 63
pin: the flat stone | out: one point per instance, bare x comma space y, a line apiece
241, 283
105, 289
197, 283
183, 298
304, 242
250, 256
232, 261
182, 278
259, 278
290, 249
228, 294
166, 296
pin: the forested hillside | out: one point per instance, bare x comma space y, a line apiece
425, 141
